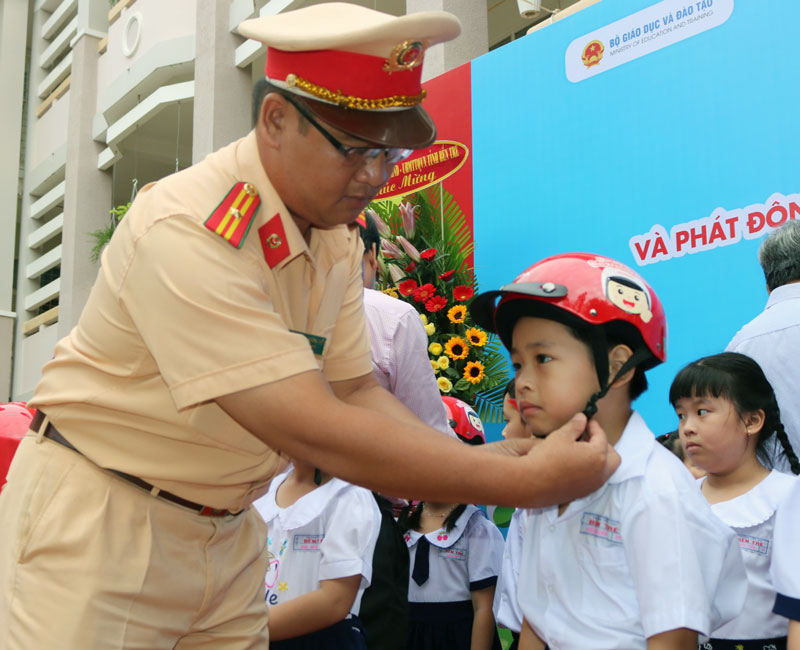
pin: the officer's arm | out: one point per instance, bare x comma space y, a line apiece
393, 453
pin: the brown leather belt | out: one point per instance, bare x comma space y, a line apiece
51, 433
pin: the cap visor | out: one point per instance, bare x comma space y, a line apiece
410, 128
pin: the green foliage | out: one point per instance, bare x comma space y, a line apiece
103, 235
479, 374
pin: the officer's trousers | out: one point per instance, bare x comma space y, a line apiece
89, 561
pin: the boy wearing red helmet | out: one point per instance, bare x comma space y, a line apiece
640, 562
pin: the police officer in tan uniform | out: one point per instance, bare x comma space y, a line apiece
231, 294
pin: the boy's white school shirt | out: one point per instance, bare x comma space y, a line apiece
642, 555
506, 606
463, 559
785, 568
326, 534
752, 517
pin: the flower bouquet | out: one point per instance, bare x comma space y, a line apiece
426, 246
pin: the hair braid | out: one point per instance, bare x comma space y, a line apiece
791, 456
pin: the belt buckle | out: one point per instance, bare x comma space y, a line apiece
207, 511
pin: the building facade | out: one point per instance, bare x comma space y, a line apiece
103, 97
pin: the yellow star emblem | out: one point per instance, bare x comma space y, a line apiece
739, 646
282, 586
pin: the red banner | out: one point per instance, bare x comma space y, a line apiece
424, 168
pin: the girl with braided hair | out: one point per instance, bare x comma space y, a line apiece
729, 425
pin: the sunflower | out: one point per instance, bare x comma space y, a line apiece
435, 349
456, 348
391, 291
457, 314
476, 337
473, 372
445, 385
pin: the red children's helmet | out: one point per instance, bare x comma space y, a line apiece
15, 419
584, 291
464, 421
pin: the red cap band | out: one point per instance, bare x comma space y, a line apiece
359, 75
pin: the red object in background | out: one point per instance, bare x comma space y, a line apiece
15, 420
464, 420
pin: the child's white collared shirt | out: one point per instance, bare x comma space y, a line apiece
506, 605
326, 534
642, 555
460, 560
785, 568
752, 517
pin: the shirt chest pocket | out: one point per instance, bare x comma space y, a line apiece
607, 591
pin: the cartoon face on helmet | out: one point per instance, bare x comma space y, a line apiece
464, 420
579, 289
15, 419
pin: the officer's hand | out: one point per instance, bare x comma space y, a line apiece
570, 467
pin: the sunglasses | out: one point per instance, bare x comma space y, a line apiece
355, 156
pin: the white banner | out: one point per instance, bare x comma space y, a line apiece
646, 31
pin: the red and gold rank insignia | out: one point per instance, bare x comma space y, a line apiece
234, 215
273, 241
592, 53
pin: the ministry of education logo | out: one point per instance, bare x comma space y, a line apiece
592, 53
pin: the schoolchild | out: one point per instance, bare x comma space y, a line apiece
321, 537
505, 607
672, 442
640, 562
729, 424
785, 568
455, 554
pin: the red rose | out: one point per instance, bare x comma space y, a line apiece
447, 275
463, 292
428, 254
411, 267
436, 303
423, 293
407, 287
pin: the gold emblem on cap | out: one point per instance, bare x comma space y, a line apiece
405, 56
360, 103
274, 240
250, 189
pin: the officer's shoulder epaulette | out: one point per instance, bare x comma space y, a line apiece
232, 218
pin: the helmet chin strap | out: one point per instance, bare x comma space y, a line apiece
641, 354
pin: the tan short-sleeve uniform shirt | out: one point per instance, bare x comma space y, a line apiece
178, 317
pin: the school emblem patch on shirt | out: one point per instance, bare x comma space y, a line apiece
602, 527
233, 217
754, 544
307, 542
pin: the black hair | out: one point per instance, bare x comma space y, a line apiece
370, 235
672, 442
740, 380
261, 89
511, 389
410, 517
